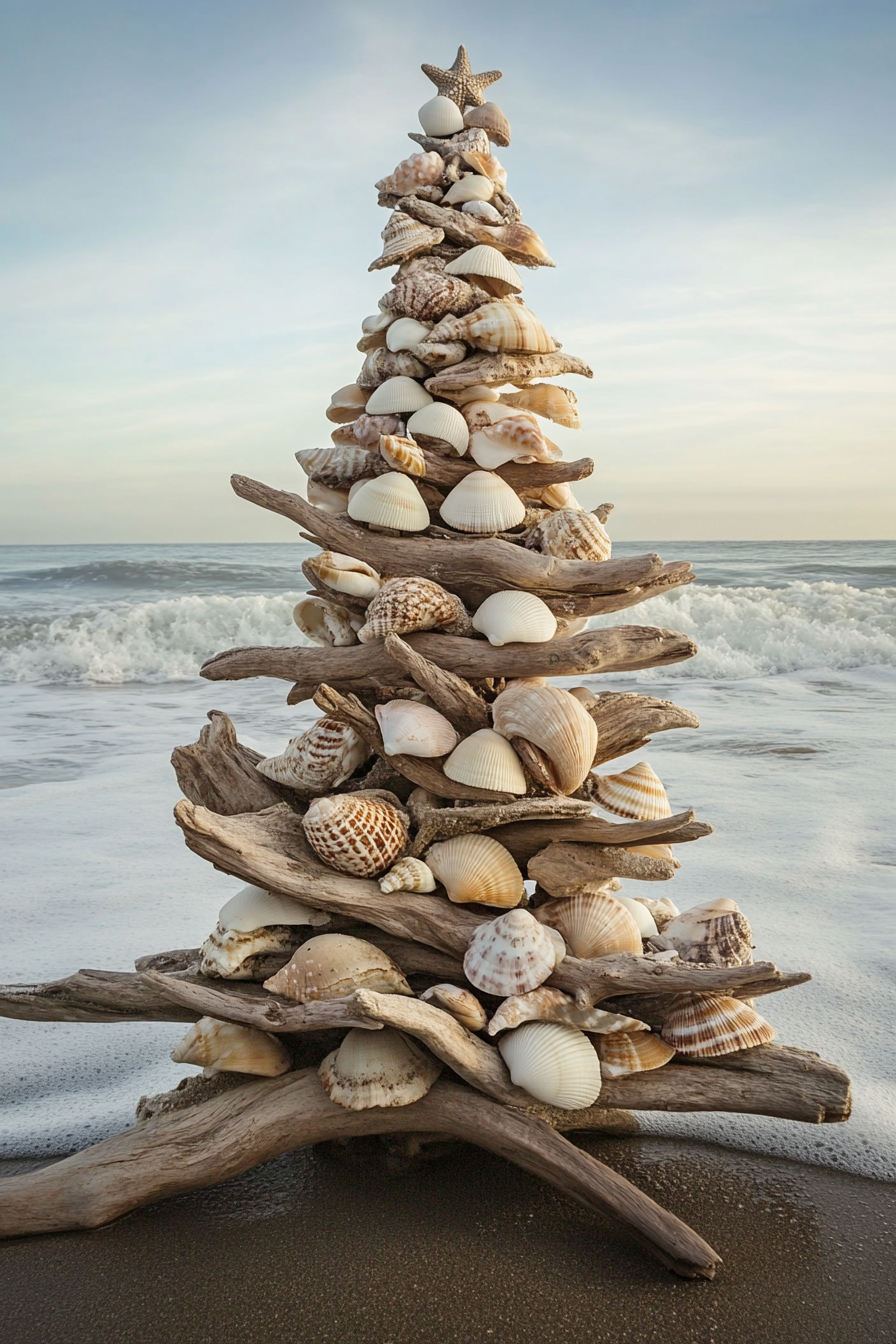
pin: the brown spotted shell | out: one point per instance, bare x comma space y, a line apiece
332, 965
425, 292
406, 604
354, 834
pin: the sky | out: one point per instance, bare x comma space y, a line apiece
187, 214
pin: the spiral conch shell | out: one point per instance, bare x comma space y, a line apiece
512, 954
637, 793
463, 1006
424, 291
706, 1025
570, 534
475, 869
552, 1005
555, 1064
406, 604
408, 875
501, 326
344, 574
419, 170
412, 729
404, 237
717, 934
320, 759
378, 1068
325, 623
356, 834
332, 965
553, 403
224, 1047
552, 720
625, 1052
592, 924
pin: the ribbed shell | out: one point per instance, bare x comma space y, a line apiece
487, 263
485, 760
408, 875
378, 1068
482, 502
325, 623
361, 836
510, 955
570, 534
502, 326
403, 454
475, 869
412, 729
418, 170
344, 574
711, 1024
554, 403
393, 501
717, 934
486, 163
552, 1005
474, 187
326, 497
346, 404
625, 1052
592, 924
441, 116
554, 721
224, 1047
332, 965
319, 759
230, 954
398, 396
463, 1006
338, 464
406, 332
409, 603
512, 617
556, 1065
637, 793
404, 237
254, 908
441, 423
518, 240
424, 291
492, 120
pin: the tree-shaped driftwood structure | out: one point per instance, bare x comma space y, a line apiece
449, 410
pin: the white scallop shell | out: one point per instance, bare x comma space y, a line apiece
319, 759
408, 875
377, 322
406, 332
475, 187
555, 1064
484, 211
345, 574
486, 760
460, 1003
442, 422
326, 498
512, 617
475, 869
225, 1047
511, 954
482, 502
392, 500
254, 908
441, 117
326, 624
552, 1005
412, 729
378, 1068
487, 263
397, 396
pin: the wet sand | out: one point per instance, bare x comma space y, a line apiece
468, 1249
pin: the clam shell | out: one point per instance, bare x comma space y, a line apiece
254, 908
408, 875
398, 396
475, 869
324, 623
483, 211
369, 429
502, 326
407, 604
486, 760
641, 915
513, 438
512, 617
412, 729
332, 965
637, 793
230, 954
463, 1006
441, 116
717, 934
706, 1025
554, 403
592, 924
665, 852
402, 454
518, 240
487, 264
404, 237
382, 364
625, 1052
475, 187
326, 498
490, 118
418, 170
340, 464
552, 1005
441, 423
486, 164
482, 502
510, 955
424, 291
361, 836
377, 322
320, 759
554, 721
390, 501
555, 1064
406, 332
571, 534
663, 909
224, 1047
345, 404
344, 574
378, 1068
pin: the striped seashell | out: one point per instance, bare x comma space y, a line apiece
391, 501
326, 498
440, 116
325, 623
475, 869
482, 502
570, 534
224, 1047
624, 1052
357, 835
404, 237
560, 495
412, 729
557, 1065
320, 759
406, 604
592, 924
439, 424
717, 934
254, 908
408, 875
418, 170
522, 244
486, 266
333, 965
484, 211
553, 721
378, 1068
511, 955
231, 954
706, 1025
367, 430
513, 438
403, 454
424, 291
345, 574
552, 1005
486, 760
490, 118
637, 794
513, 617
383, 364
487, 165
340, 464
406, 332
501, 326
474, 187
463, 1006
399, 395
553, 403
346, 404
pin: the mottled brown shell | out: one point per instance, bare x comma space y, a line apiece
425, 292
406, 604
361, 836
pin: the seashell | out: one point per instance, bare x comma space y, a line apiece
624, 1052
344, 574
477, 392
439, 423
326, 498
519, 240
373, 341
487, 165
512, 617
357, 835
641, 915
510, 955
706, 1025
346, 404
403, 454
378, 1068
592, 924
332, 965
486, 760
390, 501
406, 332
230, 954
406, 604
484, 211
637, 794
475, 187
470, 140
344, 436
489, 268
717, 934
408, 875
412, 729
424, 291
463, 1006
382, 365
224, 1047
419, 170
544, 399
440, 354
665, 852
492, 120
511, 438
339, 464
325, 623
552, 1005
570, 534
475, 869
662, 910
441, 116
369, 429
560, 495
326, 755
502, 326
404, 237
377, 322
398, 396
254, 908
482, 502
555, 1064
552, 720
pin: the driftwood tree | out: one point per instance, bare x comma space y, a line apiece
394, 499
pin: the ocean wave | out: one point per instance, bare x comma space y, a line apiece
177, 573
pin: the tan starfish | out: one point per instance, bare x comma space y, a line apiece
459, 83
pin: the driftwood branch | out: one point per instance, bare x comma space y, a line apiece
452, 694
219, 772
673, 575
448, 472
91, 996
626, 720
466, 229
561, 866
527, 839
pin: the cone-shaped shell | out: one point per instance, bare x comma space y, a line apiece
641, 915
319, 759
254, 908
717, 934
624, 1052
570, 534
512, 617
490, 118
554, 721
407, 604
398, 396
482, 502
554, 403
441, 423
510, 955
403, 454
501, 326
224, 1047
346, 404
378, 1068
406, 332
418, 170
555, 1064
486, 760
392, 501
552, 1005
403, 238
706, 1025
232, 955
327, 498
592, 924
324, 623
463, 1006
475, 869
340, 464
484, 263
408, 875
332, 965
440, 117
637, 793
412, 729
361, 836
344, 574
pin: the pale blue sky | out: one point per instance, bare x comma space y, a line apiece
187, 215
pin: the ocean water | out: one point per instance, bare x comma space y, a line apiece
794, 686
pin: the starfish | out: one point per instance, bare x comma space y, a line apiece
459, 83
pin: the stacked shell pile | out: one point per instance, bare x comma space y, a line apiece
446, 434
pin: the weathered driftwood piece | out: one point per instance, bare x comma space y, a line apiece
495, 370
466, 229
205, 1144
219, 772
452, 694
625, 722
441, 823
447, 472
673, 575
601, 978
91, 996
233, 1001
562, 866
526, 839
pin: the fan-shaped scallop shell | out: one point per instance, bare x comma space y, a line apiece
510, 955
391, 501
406, 604
398, 396
463, 1006
553, 403
514, 617
325, 623
706, 1025
475, 869
378, 1068
332, 965
624, 1052
403, 454
412, 729
570, 534
439, 423
441, 116
361, 836
637, 793
502, 326
418, 170
552, 1005
424, 291
408, 875
717, 934
488, 267
319, 759
554, 721
482, 502
592, 924
225, 1047
490, 118
404, 237
345, 574
555, 1064
345, 404
486, 760
230, 954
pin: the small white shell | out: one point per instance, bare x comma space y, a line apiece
475, 869
511, 954
378, 1068
326, 624
224, 1047
377, 322
486, 760
556, 1064
407, 332
512, 617
460, 1003
229, 955
408, 875
442, 422
392, 501
397, 396
484, 211
345, 574
482, 502
441, 117
326, 498
487, 263
412, 729
254, 908
472, 188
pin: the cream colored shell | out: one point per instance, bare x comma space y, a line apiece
224, 1047
403, 454
513, 617
554, 721
378, 1068
346, 404
463, 1006
412, 729
552, 1005
229, 954
492, 120
354, 834
391, 501
502, 326
441, 116
557, 1065
640, 913
554, 403
707, 1025
403, 237
484, 263
623, 1052
716, 934
344, 574
398, 396
408, 875
511, 955
637, 793
419, 170
484, 211
571, 534
475, 869
474, 187
406, 332
406, 604
485, 760
592, 924
320, 759
482, 502
333, 965
254, 908
327, 498
440, 423
339, 464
